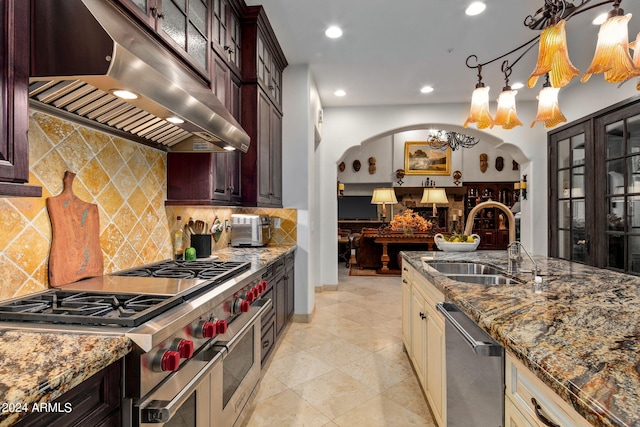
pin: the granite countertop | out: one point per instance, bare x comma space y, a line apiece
38, 367
579, 332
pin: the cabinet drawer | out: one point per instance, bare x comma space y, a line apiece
431, 293
523, 388
268, 339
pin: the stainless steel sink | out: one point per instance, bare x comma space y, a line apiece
463, 268
484, 279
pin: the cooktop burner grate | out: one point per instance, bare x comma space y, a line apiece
215, 271
86, 308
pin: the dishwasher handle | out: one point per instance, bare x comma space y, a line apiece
484, 347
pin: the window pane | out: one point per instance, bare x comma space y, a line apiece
634, 254
577, 147
198, 15
564, 159
615, 258
577, 182
197, 46
633, 167
633, 135
564, 183
175, 24
142, 4
616, 214
633, 214
564, 244
564, 214
615, 177
578, 214
613, 140
579, 247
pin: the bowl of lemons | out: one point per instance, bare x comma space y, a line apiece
457, 242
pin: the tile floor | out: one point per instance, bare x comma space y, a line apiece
346, 367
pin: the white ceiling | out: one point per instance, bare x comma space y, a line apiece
389, 50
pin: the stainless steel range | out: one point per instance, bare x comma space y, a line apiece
196, 329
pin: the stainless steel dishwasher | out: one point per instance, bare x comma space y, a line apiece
475, 372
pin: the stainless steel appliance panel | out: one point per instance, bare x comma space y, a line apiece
475, 372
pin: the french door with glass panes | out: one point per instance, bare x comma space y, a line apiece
594, 211
619, 166
571, 194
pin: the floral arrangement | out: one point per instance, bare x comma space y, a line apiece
409, 220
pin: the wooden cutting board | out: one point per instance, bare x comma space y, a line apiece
75, 243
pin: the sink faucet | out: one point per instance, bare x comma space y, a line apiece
515, 258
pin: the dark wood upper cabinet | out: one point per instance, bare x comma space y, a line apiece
261, 117
14, 110
226, 32
181, 24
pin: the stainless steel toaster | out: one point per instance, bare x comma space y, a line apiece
250, 230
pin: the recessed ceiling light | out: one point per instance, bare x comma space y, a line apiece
475, 8
333, 32
517, 86
124, 94
229, 148
426, 89
599, 20
340, 92
175, 120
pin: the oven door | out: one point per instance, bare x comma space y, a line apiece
186, 399
241, 363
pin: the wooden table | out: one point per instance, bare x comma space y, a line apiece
397, 238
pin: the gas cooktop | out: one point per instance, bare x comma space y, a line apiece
86, 308
127, 299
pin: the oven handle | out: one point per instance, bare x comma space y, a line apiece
161, 411
256, 311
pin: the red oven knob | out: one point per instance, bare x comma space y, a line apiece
245, 306
208, 330
262, 286
256, 292
185, 349
249, 296
221, 326
170, 361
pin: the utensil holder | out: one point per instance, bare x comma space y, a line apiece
202, 245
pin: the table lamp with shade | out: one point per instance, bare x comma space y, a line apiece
382, 196
434, 195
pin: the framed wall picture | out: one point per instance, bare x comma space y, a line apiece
421, 158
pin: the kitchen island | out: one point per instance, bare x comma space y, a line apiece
40, 366
579, 332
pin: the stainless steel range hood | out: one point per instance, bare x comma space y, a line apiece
83, 50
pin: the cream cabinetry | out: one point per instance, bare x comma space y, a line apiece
423, 337
531, 403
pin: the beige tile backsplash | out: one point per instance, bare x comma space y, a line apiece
125, 179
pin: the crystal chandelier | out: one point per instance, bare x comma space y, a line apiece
441, 140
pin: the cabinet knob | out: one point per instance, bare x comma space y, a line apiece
422, 316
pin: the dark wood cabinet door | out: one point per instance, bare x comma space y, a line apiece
263, 143
14, 65
276, 157
144, 10
95, 402
234, 175
290, 286
280, 285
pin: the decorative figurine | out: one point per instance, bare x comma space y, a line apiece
356, 165
341, 167
456, 177
484, 162
372, 165
499, 163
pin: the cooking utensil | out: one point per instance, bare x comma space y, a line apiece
191, 224
199, 227
75, 244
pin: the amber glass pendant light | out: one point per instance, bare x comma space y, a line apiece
612, 50
479, 112
548, 107
636, 56
506, 116
553, 57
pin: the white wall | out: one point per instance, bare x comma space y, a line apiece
300, 103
